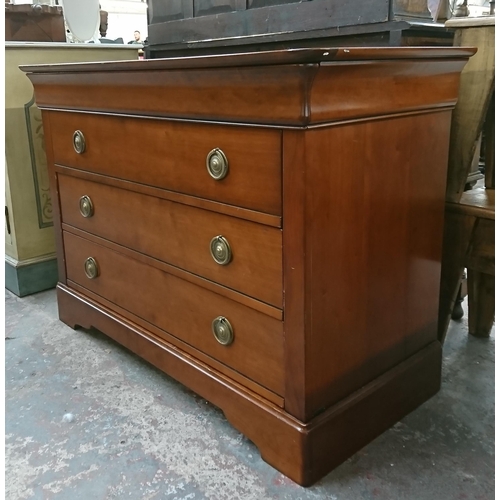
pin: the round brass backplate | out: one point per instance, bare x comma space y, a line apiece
220, 250
91, 268
86, 206
222, 330
217, 164
79, 141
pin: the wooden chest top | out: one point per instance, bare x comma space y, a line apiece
293, 88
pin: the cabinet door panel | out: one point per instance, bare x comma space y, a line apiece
173, 10
413, 8
255, 4
210, 7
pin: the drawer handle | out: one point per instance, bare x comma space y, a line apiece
79, 141
91, 268
222, 330
217, 164
220, 250
86, 206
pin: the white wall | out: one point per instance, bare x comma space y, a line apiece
124, 17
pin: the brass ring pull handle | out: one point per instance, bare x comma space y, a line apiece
222, 330
91, 268
86, 206
79, 141
220, 250
217, 164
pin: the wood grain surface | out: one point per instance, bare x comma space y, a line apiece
370, 242
295, 56
165, 194
280, 89
173, 156
180, 235
477, 84
184, 310
176, 342
229, 293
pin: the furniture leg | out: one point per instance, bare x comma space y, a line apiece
481, 303
458, 311
457, 231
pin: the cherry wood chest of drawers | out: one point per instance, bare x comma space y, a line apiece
264, 227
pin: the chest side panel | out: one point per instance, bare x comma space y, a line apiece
373, 219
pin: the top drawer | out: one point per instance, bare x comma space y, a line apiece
173, 155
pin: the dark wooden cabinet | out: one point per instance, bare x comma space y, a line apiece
264, 227
34, 23
221, 26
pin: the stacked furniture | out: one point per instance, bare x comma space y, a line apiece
469, 237
192, 27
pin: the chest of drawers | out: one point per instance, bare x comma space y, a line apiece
265, 228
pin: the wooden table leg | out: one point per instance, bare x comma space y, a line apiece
457, 232
481, 288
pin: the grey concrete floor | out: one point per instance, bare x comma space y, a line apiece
138, 434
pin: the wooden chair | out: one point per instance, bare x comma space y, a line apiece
469, 231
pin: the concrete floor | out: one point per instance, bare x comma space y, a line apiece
138, 434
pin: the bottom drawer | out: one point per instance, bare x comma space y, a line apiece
184, 310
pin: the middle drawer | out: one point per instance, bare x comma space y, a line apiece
181, 235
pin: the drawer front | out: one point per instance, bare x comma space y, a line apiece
173, 155
180, 235
182, 309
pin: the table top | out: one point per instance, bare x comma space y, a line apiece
470, 22
305, 56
